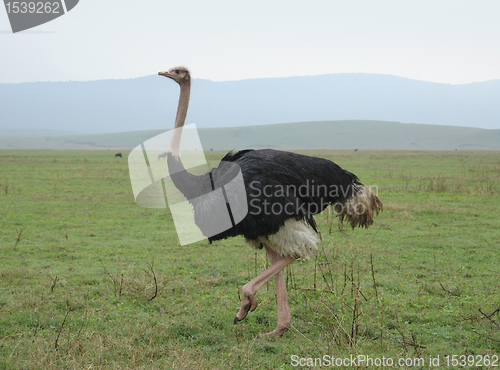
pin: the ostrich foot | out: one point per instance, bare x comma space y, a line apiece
248, 303
279, 331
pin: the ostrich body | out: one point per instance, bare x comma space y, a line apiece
283, 192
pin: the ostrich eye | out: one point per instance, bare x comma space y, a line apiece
177, 71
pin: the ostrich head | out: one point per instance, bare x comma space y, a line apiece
178, 74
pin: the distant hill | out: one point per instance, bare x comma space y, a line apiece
150, 102
19, 132
299, 135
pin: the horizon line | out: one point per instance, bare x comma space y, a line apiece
258, 78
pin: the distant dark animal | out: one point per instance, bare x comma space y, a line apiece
162, 155
283, 192
118, 155
355, 150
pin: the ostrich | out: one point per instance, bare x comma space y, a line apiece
284, 190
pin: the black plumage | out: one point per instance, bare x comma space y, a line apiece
279, 185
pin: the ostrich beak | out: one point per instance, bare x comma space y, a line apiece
166, 74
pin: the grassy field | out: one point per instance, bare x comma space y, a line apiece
90, 280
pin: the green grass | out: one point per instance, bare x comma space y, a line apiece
80, 259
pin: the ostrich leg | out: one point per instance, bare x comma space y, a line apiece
284, 318
249, 303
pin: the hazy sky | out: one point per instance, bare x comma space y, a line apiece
443, 41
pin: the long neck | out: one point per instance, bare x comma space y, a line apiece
187, 183
182, 109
